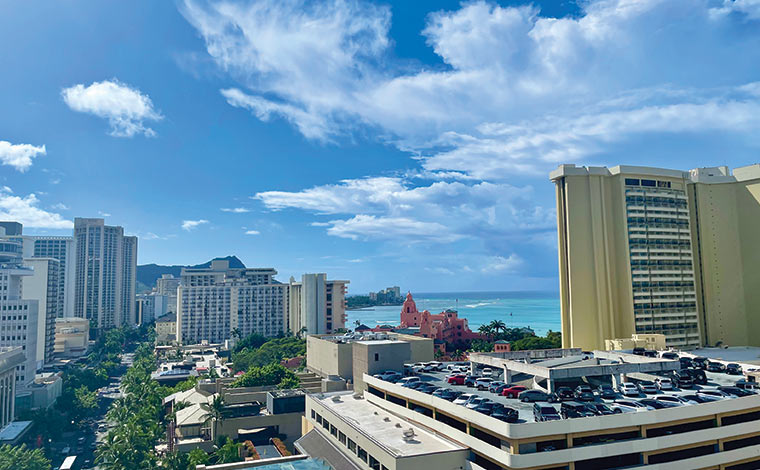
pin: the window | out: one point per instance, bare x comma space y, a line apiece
377, 357
341, 438
631, 182
333, 431
351, 445
651, 183
362, 454
373, 463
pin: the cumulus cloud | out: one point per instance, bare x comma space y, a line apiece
26, 210
496, 264
19, 156
235, 210
252, 232
189, 225
126, 108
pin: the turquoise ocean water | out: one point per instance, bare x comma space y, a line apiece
538, 310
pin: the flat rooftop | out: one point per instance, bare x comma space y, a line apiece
740, 354
384, 428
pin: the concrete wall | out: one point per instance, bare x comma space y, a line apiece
421, 349
288, 424
372, 357
325, 357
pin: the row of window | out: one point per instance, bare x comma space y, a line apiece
355, 449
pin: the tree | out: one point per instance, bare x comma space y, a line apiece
214, 413
21, 458
197, 457
289, 382
498, 326
485, 330
458, 355
438, 354
229, 452
176, 461
270, 374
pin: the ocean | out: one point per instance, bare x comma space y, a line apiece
537, 310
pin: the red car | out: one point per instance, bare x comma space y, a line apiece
513, 392
457, 379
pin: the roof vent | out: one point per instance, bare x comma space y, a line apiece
336, 398
408, 435
398, 425
387, 419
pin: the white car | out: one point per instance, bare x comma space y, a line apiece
407, 380
388, 375
664, 383
464, 398
487, 371
437, 366
628, 389
647, 387
715, 393
475, 402
629, 406
483, 383
674, 399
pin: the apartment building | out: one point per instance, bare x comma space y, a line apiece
18, 316
167, 285
10, 359
648, 250
318, 305
151, 306
61, 249
43, 286
105, 274
217, 302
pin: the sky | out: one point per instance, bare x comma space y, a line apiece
387, 143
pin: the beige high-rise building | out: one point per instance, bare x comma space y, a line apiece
649, 250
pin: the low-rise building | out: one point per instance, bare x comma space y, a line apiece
10, 358
652, 342
445, 326
166, 329
72, 336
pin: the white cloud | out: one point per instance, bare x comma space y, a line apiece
19, 156
26, 210
235, 210
252, 232
325, 67
60, 207
192, 224
104, 214
126, 108
391, 228
497, 264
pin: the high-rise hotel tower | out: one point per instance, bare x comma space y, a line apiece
650, 250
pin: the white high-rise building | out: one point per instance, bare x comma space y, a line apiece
151, 306
167, 285
61, 249
214, 302
18, 316
105, 274
43, 286
318, 305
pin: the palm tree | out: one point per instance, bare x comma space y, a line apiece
497, 326
302, 332
485, 330
215, 413
438, 354
458, 355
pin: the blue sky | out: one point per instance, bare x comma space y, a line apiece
387, 143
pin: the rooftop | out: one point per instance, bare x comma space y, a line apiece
397, 436
13, 430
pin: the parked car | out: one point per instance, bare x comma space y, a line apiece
564, 393
649, 353
504, 413
639, 351
685, 362
500, 388
647, 387
456, 379
415, 385
435, 365
664, 383
486, 407
714, 393
746, 385
388, 375
697, 375
628, 389
441, 392
606, 391
476, 402
584, 393
428, 388
487, 372
678, 401
713, 366
733, 369
574, 409
514, 391
494, 385
670, 355
629, 406
545, 412
533, 396
464, 398
408, 380
470, 380
683, 380
700, 362
701, 398
602, 409
657, 405
483, 383
736, 391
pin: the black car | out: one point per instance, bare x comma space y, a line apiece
428, 388
685, 362
649, 353
486, 407
683, 380
746, 385
533, 396
564, 393
713, 366
696, 398
639, 351
669, 355
606, 391
602, 409
733, 369
739, 392
584, 393
504, 413
657, 405
545, 413
700, 362
447, 394
698, 376
574, 409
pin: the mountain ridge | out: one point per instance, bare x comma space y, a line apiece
148, 273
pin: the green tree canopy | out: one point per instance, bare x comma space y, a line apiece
21, 458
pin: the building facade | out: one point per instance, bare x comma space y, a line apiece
318, 305
61, 249
219, 302
10, 359
151, 306
648, 250
105, 274
72, 336
167, 285
18, 316
445, 326
166, 329
43, 286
